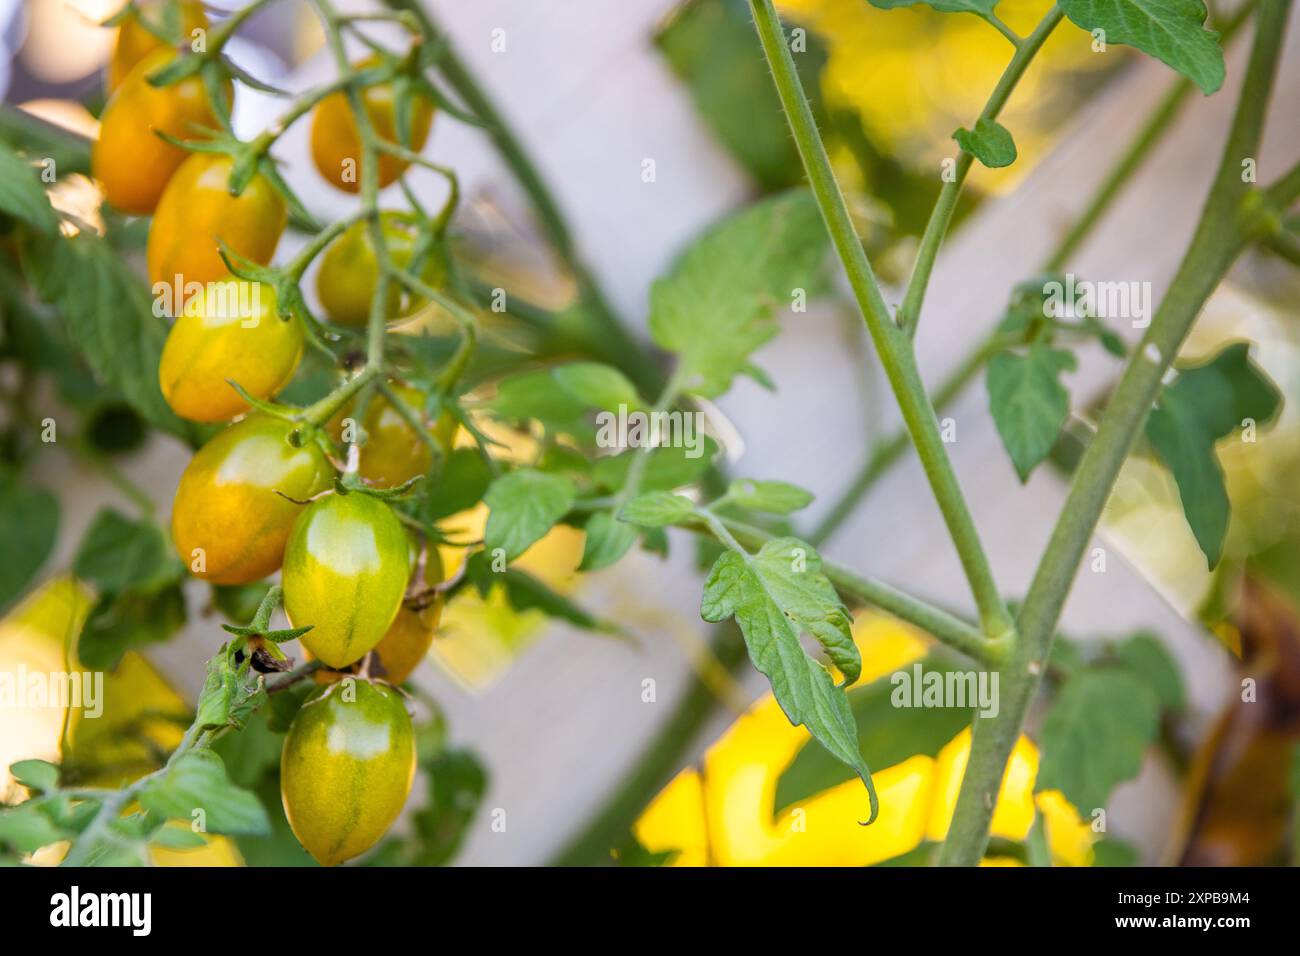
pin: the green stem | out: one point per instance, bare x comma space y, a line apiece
892, 343
909, 313
1219, 238
322, 411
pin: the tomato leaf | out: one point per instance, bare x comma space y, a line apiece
1028, 402
1201, 406
607, 541
656, 509
774, 497
1095, 735
119, 554
981, 8
21, 194
716, 304
27, 829
774, 596
990, 142
524, 505
1173, 31
1144, 656
36, 774
121, 622
598, 386
668, 467
29, 522
198, 781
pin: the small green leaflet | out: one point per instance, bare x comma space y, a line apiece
36, 774
773, 497
119, 554
1144, 656
198, 781
29, 521
524, 505
1203, 405
990, 143
656, 509
1173, 31
607, 540
1095, 735
598, 386
1028, 402
21, 194
775, 595
715, 306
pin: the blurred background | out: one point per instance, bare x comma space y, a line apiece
556, 717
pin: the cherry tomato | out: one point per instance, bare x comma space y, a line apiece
131, 163
230, 331
134, 42
196, 209
409, 637
346, 568
336, 144
392, 452
346, 768
349, 273
230, 518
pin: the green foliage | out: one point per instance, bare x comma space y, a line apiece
524, 505
656, 509
608, 539
773, 497
887, 735
1029, 404
1170, 30
989, 142
122, 622
22, 196
1204, 404
715, 306
775, 595
1144, 656
198, 781
118, 554
29, 521
1095, 735
981, 8
598, 386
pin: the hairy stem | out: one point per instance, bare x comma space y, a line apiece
892, 343
1220, 236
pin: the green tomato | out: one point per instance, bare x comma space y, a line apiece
346, 768
345, 571
349, 272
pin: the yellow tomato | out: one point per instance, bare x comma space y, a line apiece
134, 42
196, 210
229, 332
392, 452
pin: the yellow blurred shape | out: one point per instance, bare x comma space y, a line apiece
721, 812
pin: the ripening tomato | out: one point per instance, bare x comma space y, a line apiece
131, 163
349, 272
411, 634
346, 567
134, 42
231, 517
336, 144
346, 768
197, 209
392, 452
229, 331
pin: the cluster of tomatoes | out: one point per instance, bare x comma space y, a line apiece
264, 495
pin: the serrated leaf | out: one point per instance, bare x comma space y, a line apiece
29, 522
1172, 31
656, 509
773, 602
715, 306
21, 194
598, 386
109, 315
230, 694
119, 554
198, 781
524, 505
36, 774
1095, 735
773, 497
1028, 402
1204, 404
1145, 657
990, 142
607, 540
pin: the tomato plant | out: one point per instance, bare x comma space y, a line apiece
352, 432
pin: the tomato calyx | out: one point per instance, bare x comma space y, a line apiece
258, 637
